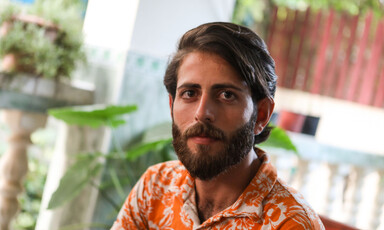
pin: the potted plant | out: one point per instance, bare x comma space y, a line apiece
40, 43
40, 46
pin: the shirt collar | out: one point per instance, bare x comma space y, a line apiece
250, 201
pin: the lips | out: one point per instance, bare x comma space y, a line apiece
203, 140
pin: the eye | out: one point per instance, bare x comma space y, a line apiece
188, 94
227, 95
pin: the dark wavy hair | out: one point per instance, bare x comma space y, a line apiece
241, 48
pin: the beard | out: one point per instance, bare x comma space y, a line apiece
206, 164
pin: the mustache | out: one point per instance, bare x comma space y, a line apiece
207, 130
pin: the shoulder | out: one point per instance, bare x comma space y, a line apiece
291, 208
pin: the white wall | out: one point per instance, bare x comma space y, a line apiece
342, 123
159, 24
110, 23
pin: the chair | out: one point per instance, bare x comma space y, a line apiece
330, 224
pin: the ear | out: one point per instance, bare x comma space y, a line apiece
170, 104
264, 112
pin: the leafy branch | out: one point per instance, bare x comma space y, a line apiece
88, 166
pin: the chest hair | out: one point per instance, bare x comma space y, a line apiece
207, 209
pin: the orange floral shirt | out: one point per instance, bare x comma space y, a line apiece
164, 198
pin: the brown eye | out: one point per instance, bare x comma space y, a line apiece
188, 94
227, 95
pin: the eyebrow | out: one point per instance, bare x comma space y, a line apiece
216, 86
189, 85
224, 86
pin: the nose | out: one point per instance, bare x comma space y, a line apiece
206, 110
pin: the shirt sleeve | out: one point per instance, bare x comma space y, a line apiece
131, 215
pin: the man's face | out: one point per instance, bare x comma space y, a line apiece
213, 115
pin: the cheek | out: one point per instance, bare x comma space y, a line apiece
182, 114
242, 114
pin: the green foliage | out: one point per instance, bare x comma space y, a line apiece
144, 148
30, 200
33, 48
88, 166
38, 158
248, 12
75, 179
350, 6
279, 139
92, 115
14, 41
65, 13
8, 12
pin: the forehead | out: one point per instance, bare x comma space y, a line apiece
203, 67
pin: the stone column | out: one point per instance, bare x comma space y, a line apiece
14, 162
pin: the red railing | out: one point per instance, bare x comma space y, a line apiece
329, 53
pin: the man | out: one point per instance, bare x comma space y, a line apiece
221, 83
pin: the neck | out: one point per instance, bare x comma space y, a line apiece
215, 195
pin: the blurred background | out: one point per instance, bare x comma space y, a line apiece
60, 53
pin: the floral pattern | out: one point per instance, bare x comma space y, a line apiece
164, 198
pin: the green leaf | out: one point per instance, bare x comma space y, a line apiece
74, 180
93, 115
116, 123
144, 148
279, 139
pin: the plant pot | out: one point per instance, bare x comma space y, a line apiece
10, 64
5, 27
